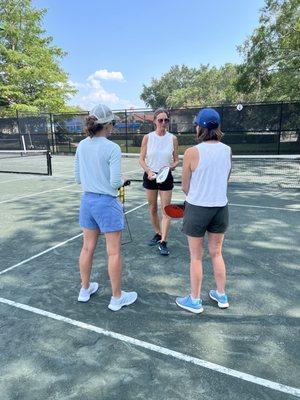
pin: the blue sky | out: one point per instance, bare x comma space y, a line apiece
114, 47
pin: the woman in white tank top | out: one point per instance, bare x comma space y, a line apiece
159, 149
206, 170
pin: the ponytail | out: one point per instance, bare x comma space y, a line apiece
91, 126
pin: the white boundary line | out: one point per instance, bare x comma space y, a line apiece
36, 194
267, 207
20, 179
158, 349
73, 191
56, 246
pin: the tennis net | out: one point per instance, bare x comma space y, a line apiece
269, 170
37, 162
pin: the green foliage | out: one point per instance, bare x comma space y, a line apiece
210, 85
271, 68
31, 76
184, 86
179, 77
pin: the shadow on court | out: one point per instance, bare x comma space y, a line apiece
258, 334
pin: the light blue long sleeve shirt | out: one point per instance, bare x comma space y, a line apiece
98, 166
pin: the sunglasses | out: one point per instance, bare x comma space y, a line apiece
165, 120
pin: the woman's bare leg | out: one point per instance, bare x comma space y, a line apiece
113, 248
196, 272
215, 242
90, 239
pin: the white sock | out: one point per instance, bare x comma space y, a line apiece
194, 300
117, 298
220, 294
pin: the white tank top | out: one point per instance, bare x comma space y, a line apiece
159, 150
208, 185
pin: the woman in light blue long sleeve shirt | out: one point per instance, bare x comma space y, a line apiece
98, 170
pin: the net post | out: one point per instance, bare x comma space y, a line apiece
49, 163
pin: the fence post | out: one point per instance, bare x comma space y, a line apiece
126, 132
279, 133
19, 130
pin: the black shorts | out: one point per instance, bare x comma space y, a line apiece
168, 184
197, 220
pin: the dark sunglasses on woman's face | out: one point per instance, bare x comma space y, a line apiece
165, 120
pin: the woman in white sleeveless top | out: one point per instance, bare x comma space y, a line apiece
206, 170
159, 149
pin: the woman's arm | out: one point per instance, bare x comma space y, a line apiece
186, 170
116, 180
175, 154
142, 159
143, 152
230, 165
76, 167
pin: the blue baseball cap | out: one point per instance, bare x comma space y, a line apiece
208, 118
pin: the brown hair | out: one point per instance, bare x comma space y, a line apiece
205, 134
159, 111
91, 126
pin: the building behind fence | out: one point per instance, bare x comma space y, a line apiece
261, 128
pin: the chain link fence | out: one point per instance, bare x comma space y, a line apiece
262, 128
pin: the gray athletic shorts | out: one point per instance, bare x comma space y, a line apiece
197, 220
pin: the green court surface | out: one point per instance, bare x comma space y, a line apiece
53, 347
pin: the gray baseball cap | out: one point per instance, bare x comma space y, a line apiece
103, 114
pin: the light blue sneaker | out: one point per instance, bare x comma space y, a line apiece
221, 300
188, 304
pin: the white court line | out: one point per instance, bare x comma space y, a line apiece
158, 349
35, 194
267, 207
252, 206
20, 179
73, 191
63, 176
57, 245
134, 170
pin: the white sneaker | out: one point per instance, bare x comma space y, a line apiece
126, 299
85, 294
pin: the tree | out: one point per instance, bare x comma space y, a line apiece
157, 93
31, 77
271, 66
184, 86
210, 86
4, 102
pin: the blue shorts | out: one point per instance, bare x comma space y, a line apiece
101, 211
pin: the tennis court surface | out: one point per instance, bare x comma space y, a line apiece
53, 347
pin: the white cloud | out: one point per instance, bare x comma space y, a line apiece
106, 75
100, 95
92, 92
77, 85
